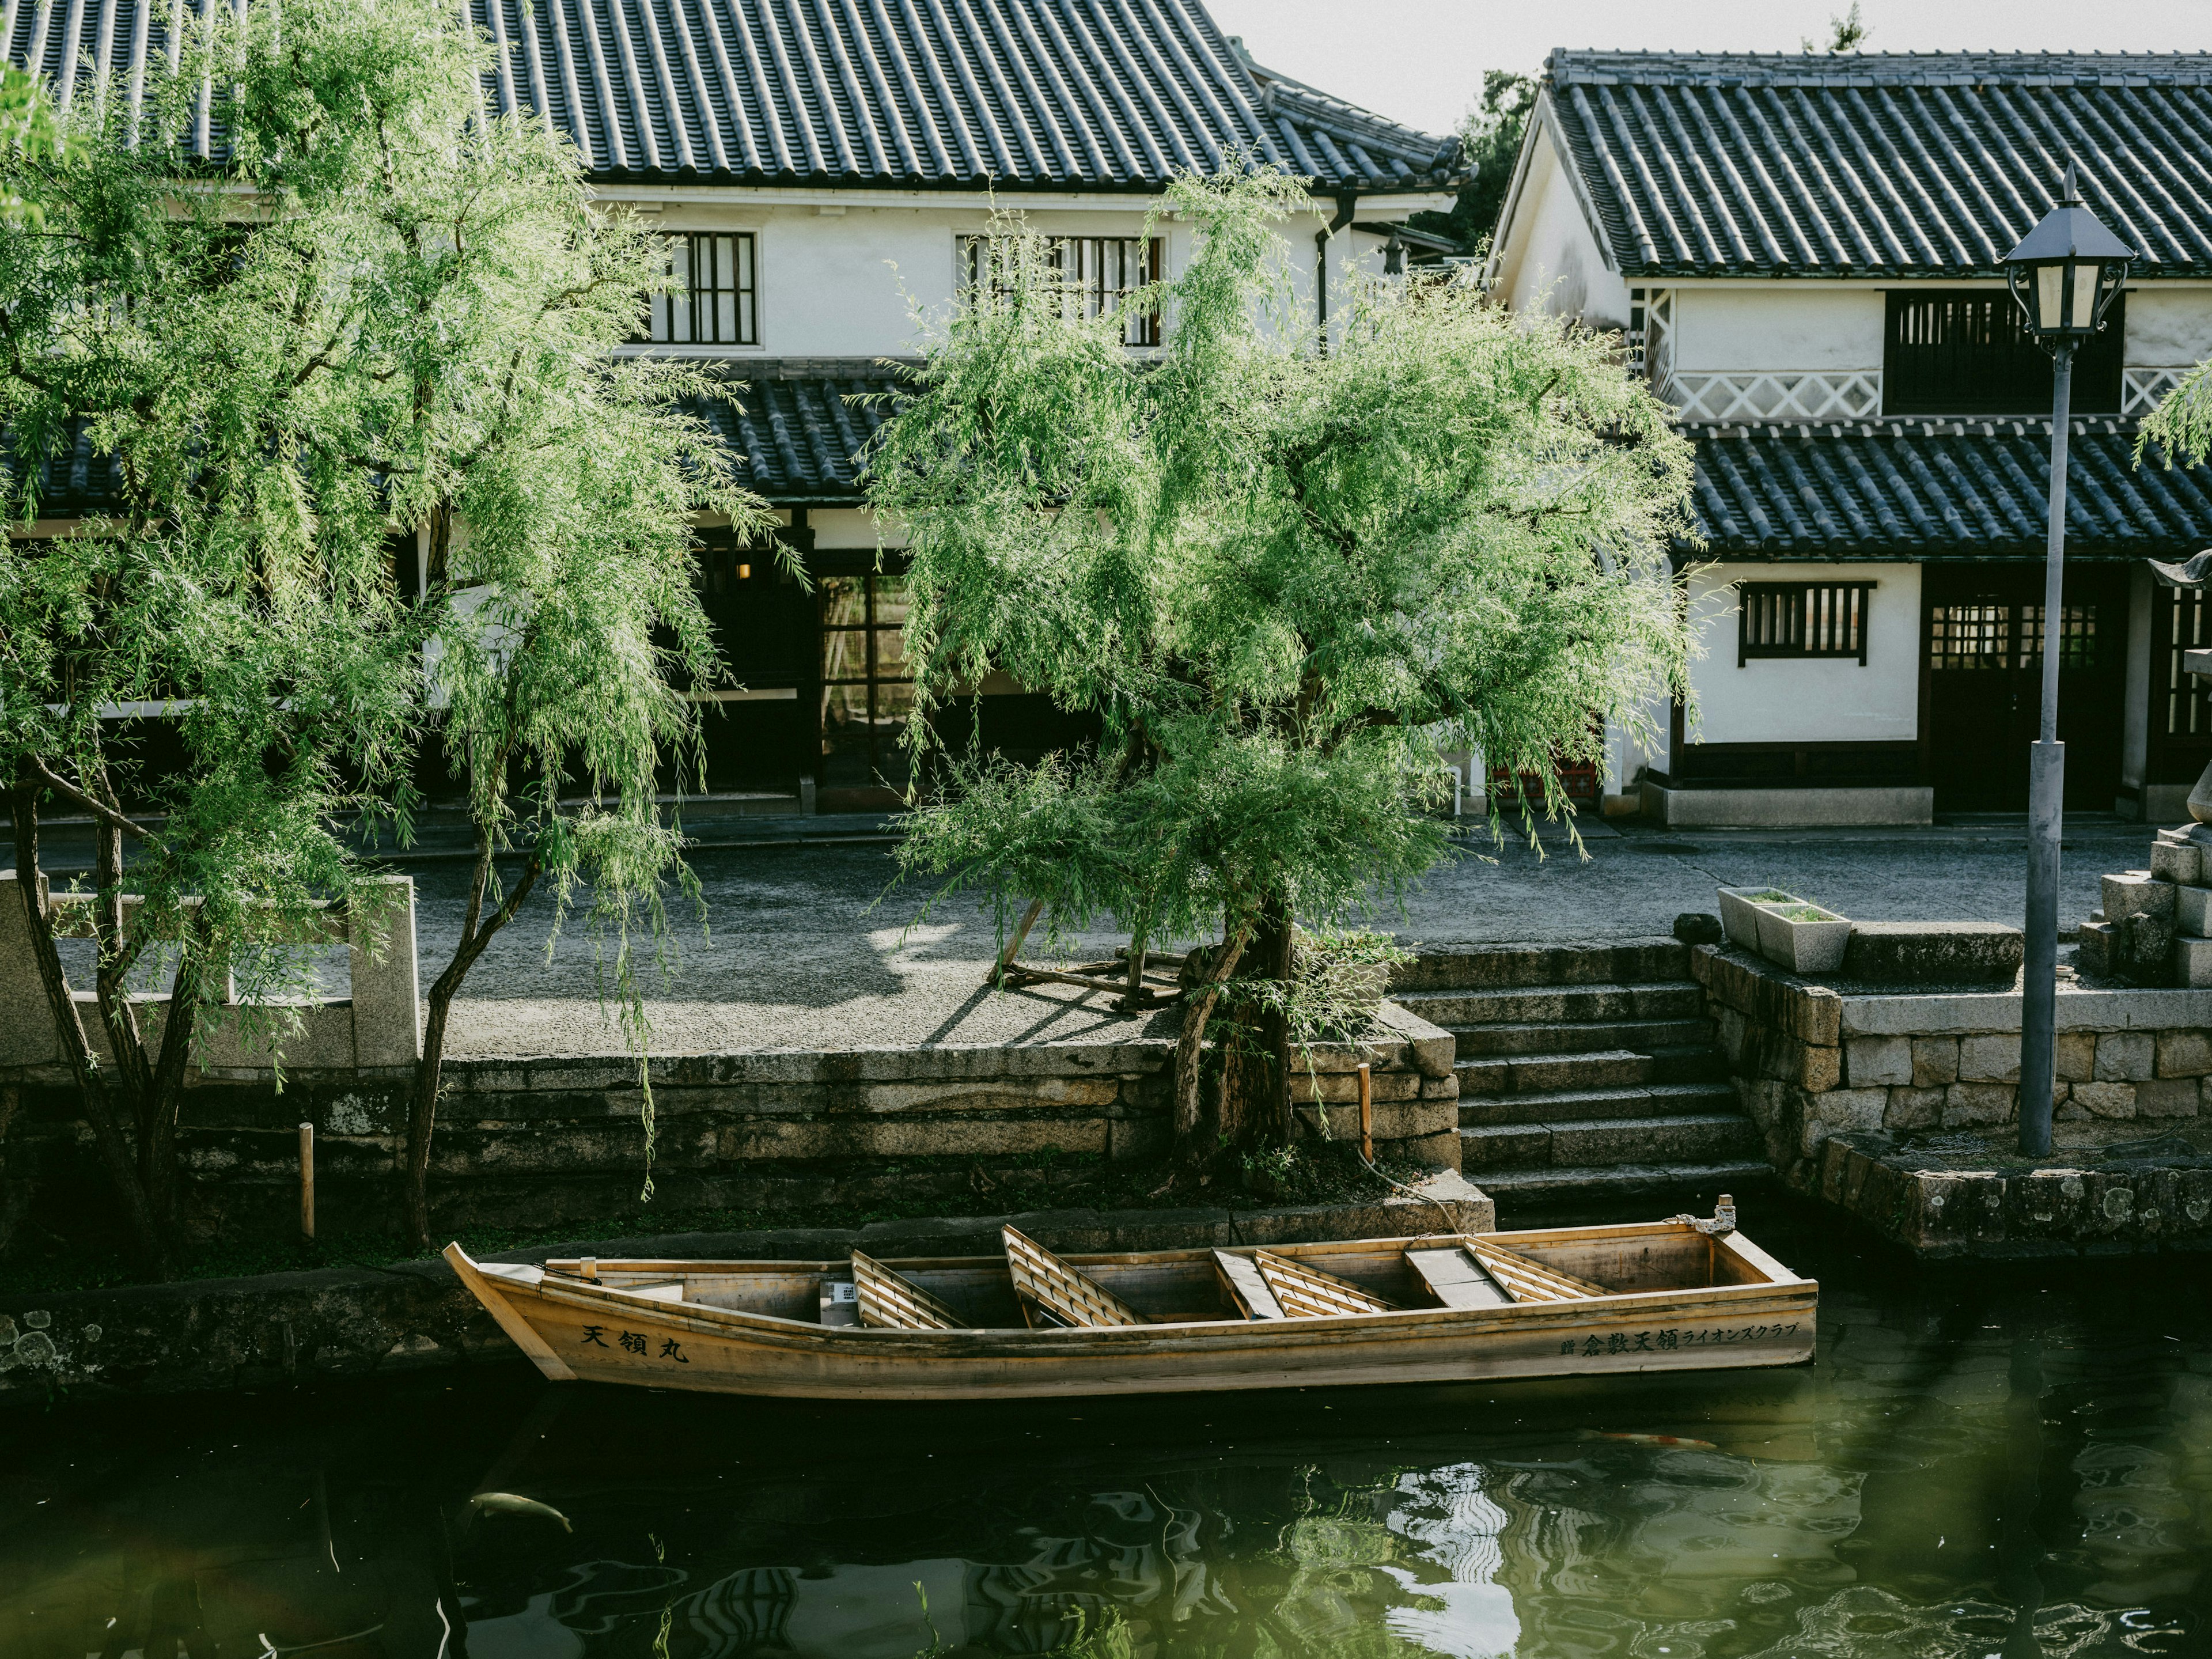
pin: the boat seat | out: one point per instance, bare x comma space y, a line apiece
1063, 1296
1456, 1279
893, 1301
1525, 1279
1305, 1292
1240, 1277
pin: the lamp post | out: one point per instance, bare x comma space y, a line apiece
2063, 274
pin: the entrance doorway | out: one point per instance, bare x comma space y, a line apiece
1984, 636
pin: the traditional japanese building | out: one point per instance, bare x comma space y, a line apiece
1803, 254
823, 170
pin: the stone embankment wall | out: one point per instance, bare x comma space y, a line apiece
1902, 1107
557, 1142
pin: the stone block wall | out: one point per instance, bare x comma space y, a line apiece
527, 1142
1811, 1061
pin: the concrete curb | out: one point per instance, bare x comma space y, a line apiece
281, 1330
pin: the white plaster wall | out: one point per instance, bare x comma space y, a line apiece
1822, 700
1555, 262
847, 284
2168, 328
1804, 326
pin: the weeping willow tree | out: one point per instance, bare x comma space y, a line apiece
380, 482
1289, 576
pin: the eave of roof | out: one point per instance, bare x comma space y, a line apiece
917, 94
1882, 164
1915, 490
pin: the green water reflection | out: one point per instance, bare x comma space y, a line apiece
1987, 1463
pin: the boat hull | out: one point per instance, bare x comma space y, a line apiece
574, 1327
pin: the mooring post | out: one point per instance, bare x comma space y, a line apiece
308, 1181
1366, 1113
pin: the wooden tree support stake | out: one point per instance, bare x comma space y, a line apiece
308, 1181
1014, 945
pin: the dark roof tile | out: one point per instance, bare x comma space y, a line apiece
1883, 164
1018, 94
1917, 490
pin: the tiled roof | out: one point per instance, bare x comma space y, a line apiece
1882, 164
1085, 94
1917, 490
794, 425
797, 428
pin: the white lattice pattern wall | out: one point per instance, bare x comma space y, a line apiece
2141, 389
1778, 395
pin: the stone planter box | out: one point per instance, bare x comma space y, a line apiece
1802, 938
1740, 908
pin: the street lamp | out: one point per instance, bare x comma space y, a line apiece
2064, 274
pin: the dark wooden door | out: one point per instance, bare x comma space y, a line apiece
1985, 644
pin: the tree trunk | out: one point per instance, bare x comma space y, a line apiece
118, 1150
1190, 1050
1255, 1107
476, 931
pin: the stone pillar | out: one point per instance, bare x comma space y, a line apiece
387, 1029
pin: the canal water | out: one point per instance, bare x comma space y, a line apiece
1983, 1461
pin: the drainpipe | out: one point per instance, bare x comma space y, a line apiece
1346, 202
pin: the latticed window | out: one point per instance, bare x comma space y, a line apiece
1097, 276
1967, 351
718, 304
2188, 710
867, 687
1976, 636
1802, 619
1984, 634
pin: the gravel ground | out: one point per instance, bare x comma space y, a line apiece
807, 949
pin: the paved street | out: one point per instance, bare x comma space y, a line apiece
806, 948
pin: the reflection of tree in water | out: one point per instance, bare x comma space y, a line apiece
1140, 1556
1863, 1622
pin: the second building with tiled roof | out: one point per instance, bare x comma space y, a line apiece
1804, 254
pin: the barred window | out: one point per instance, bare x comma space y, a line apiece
717, 304
1983, 634
1802, 619
2188, 708
1976, 636
1099, 273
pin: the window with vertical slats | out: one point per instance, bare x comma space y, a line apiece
712, 299
1098, 274
1802, 619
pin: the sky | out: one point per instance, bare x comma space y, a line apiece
1421, 61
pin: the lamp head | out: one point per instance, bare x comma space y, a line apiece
2066, 272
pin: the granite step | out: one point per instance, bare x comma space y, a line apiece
1568, 1105
1690, 1138
1571, 1036
1631, 960
1518, 1005
1601, 1068
1520, 1191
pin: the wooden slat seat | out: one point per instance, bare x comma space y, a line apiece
1456, 1279
1241, 1278
1528, 1280
895, 1302
1304, 1292
1044, 1282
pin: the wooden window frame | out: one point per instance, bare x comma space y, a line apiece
700, 256
1088, 275
1967, 351
1761, 604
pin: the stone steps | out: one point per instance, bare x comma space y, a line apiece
1579, 1037
1586, 1071
1607, 1068
1535, 1188
1582, 1105
1523, 1005
1701, 1138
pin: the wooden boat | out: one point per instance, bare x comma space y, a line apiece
1666, 1295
